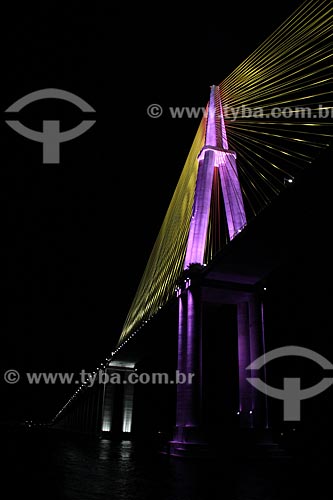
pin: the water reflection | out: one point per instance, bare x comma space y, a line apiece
104, 449
55, 466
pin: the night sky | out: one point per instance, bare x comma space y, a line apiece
76, 236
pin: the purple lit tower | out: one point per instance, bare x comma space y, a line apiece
188, 438
215, 153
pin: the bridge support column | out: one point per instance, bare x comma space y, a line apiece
252, 405
188, 439
128, 398
118, 399
108, 406
244, 359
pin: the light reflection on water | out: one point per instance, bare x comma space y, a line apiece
53, 466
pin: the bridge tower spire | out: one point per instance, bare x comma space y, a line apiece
214, 154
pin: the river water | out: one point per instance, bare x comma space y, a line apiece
51, 465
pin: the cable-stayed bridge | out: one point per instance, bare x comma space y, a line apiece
222, 235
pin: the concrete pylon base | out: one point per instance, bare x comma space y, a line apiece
190, 450
188, 442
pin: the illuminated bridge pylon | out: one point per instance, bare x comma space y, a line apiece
214, 154
215, 160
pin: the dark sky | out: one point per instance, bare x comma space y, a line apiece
76, 236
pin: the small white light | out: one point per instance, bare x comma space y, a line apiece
289, 180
